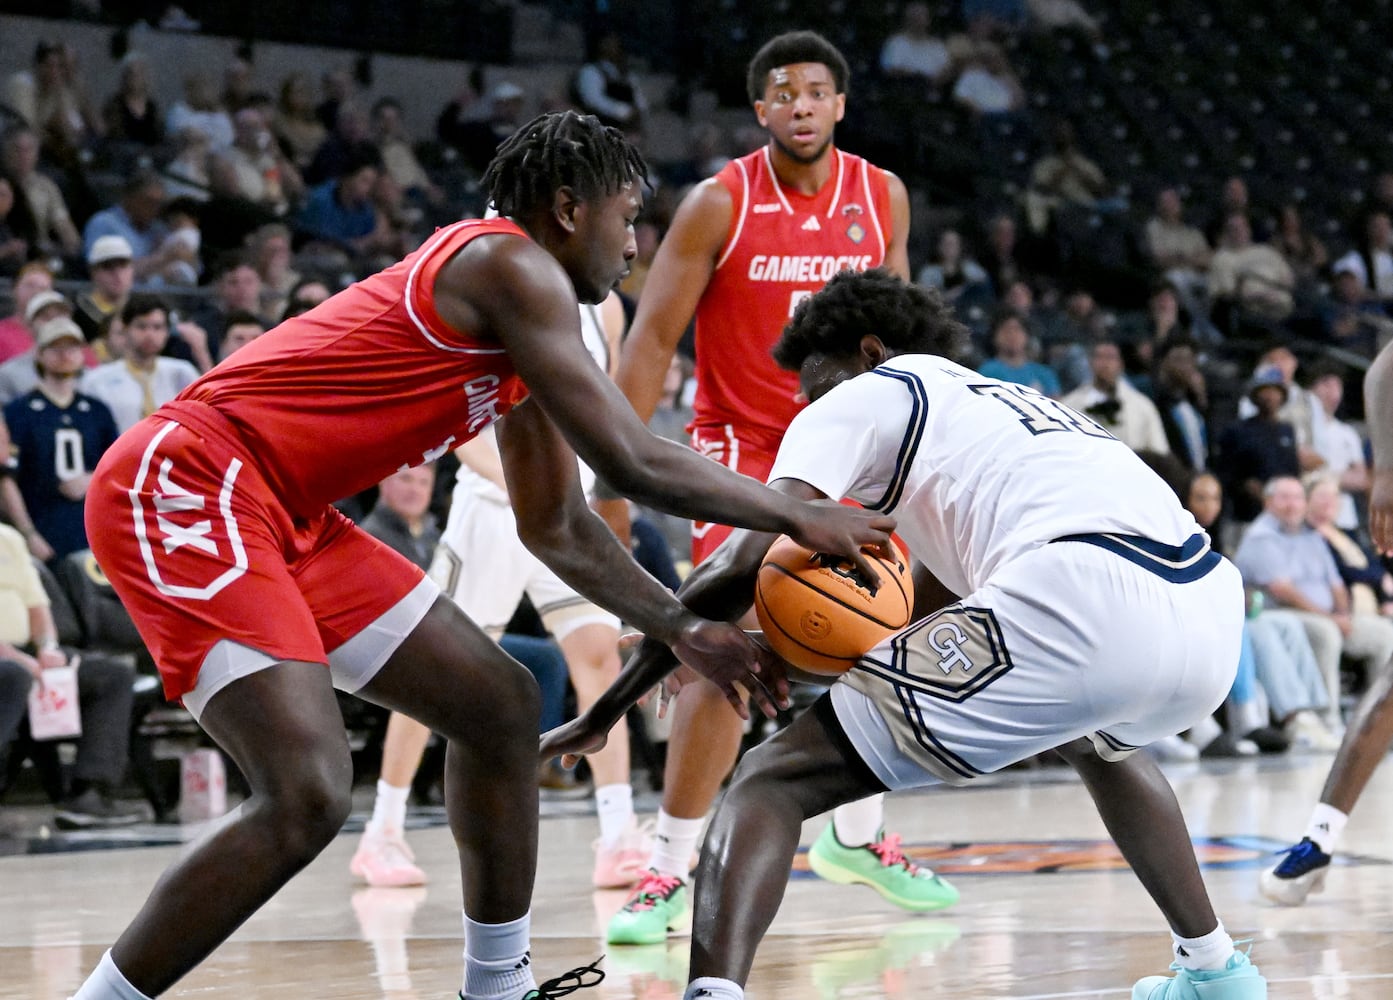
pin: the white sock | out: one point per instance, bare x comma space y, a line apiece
674, 840
857, 824
107, 983
1210, 953
716, 989
614, 804
1327, 823
497, 962
389, 809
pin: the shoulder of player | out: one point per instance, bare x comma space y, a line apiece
705, 210
505, 269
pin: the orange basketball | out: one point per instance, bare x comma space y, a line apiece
820, 614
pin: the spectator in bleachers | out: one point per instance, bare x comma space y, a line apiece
398, 157
136, 219
131, 114
236, 289
340, 212
1372, 260
1337, 443
14, 247
111, 265
1303, 250
352, 133
1115, 405
297, 126
238, 88
52, 100
952, 272
1067, 16
1248, 282
1001, 258
402, 518
54, 232
1260, 448
1182, 398
1011, 362
465, 107
182, 241
607, 88
1291, 562
1141, 334
143, 380
1352, 318
1178, 249
18, 375
914, 51
987, 86
57, 434
1361, 568
1063, 176
264, 176
1300, 408
16, 335
270, 251
187, 175
201, 108
1070, 337
337, 88
1233, 200
28, 647
242, 329
477, 139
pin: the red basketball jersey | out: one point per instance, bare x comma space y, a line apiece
782, 247
334, 400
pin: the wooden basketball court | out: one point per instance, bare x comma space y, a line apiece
1047, 913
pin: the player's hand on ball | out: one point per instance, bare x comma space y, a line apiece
847, 532
724, 655
573, 740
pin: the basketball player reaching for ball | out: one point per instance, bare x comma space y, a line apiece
481, 533
1370, 730
1095, 619
212, 519
745, 247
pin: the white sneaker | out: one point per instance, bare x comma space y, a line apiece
1308, 732
1173, 748
384, 861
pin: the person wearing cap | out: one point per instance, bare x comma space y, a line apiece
57, 435
111, 264
1259, 448
18, 375
1351, 317
16, 335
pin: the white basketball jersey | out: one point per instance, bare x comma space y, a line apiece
975, 471
592, 332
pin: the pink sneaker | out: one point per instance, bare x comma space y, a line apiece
622, 865
384, 861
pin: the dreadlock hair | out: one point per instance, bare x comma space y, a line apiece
790, 48
908, 319
556, 150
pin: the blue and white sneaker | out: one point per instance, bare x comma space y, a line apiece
1299, 874
1238, 980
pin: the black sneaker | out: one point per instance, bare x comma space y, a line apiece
1269, 739
567, 983
94, 810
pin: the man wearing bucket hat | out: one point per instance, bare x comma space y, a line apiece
1259, 448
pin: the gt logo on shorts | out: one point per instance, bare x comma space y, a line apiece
951, 655
190, 543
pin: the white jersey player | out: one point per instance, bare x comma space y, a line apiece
1090, 616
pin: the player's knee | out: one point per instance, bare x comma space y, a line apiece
311, 807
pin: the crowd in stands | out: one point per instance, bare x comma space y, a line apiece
1223, 340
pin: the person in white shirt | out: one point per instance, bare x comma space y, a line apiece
1114, 403
142, 381
1091, 616
1337, 442
912, 51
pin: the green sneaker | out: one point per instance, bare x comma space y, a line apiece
1238, 980
658, 905
882, 866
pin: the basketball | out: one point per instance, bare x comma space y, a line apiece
820, 614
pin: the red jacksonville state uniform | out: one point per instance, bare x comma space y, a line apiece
212, 517
782, 247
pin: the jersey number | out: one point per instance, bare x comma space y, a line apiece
67, 453
1039, 414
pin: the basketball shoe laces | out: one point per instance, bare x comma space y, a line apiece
652, 889
887, 849
568, 982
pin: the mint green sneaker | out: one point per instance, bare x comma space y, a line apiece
1238, 980
882, 865
658, 905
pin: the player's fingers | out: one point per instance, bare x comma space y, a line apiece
570, 760
866, 566
739, 699
629, 640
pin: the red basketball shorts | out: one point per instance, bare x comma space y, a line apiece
199, 551
722, 444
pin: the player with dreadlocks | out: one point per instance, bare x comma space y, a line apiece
213, 520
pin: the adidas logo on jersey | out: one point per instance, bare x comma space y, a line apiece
811, 226
766, 208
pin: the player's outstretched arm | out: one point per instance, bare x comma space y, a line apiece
1378, 408
519, 295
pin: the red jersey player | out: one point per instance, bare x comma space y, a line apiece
211, 517
745, 247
